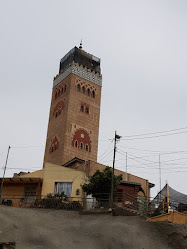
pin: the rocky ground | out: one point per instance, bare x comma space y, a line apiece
41, 228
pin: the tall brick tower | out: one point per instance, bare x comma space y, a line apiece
73, 127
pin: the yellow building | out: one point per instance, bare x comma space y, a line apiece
50, 180
55, 176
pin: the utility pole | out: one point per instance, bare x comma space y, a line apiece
160, 176
1, 189
126, 168
117, 137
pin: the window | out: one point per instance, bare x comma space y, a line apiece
52, 149
93, 94
62, 90
87, 110
81, 146
55, 147
65, 187
82, 108
76, 144
65, 88
78, 88
83, 90
30, 191
56, 95
88, 92
56, 115
86, 147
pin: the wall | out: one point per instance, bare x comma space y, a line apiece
91, 168
55, 173
15, 191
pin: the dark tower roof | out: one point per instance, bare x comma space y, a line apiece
82, 58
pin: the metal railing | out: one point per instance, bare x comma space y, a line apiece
100, 202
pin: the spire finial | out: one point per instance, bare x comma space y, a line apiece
80, 47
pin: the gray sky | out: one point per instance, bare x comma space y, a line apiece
142, 46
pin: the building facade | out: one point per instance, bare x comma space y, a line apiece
73, 126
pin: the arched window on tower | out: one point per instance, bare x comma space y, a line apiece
93, 94
81, 146
88, 92
82, 108
78, 88
86, 147
76, 144
87, 110
59, 93
83, 90
56, 95
65, 88
62, 90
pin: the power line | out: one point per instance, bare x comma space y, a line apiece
163, 135
158, 132
154, 151
105, 150
25, 147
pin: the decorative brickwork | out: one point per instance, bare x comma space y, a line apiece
81, 140
84, 108
59, 90
58, 109
54, 145
83, 73
85, 88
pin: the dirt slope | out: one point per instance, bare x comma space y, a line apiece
39, 228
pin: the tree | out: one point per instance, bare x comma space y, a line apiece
100, 184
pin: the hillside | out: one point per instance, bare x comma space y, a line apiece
39, 228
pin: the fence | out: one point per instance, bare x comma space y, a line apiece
53, 202
100, 202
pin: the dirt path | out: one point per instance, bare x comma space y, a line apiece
40, 228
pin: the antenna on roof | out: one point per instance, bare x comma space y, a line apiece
80, 47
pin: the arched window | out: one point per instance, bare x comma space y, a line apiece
56, 115
59, 93
65, 88
62, 90
76, 144
82, 109
52, 149
88, 92
81, 146
93, 94
78, 88
56, 95
55, 147
87, 110
86, 147
83, 90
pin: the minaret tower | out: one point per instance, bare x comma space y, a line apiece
73, 126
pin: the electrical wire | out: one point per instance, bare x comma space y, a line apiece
158, 132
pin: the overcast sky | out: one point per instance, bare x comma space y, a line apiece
142, 46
